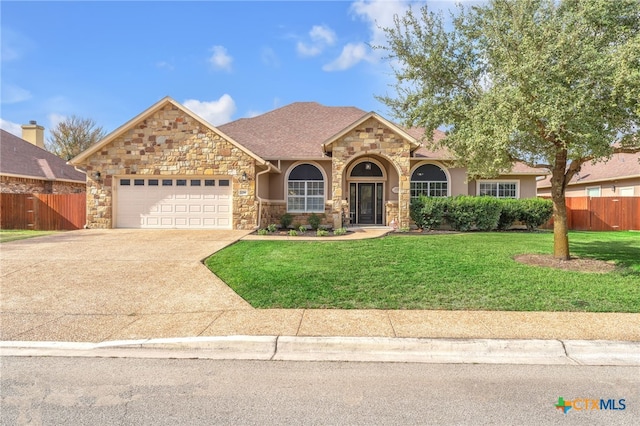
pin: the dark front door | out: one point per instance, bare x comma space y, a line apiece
366, 203
366, 198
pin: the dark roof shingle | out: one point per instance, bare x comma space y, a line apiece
19, 157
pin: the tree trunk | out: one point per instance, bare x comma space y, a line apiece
560, 228
558, 185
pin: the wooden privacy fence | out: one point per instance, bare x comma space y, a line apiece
43, 212
602, 214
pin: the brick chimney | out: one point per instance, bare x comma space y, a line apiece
33, 133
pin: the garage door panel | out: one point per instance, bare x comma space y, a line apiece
170, 205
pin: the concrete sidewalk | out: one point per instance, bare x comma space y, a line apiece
152, 285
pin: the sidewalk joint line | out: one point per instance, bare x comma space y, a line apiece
300, 323
275, 348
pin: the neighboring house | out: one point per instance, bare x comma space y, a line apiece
26, 167
169, 168
617, 177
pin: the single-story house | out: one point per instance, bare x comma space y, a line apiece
26, 167
169, 168
617, 177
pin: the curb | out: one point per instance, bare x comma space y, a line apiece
353, 349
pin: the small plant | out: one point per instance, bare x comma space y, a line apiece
314, 221
262, 231
302, 229
340, 231
272, 227
298, 226
285, 220
322, 233
404, 229
293, 233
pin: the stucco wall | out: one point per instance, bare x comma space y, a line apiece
169, 142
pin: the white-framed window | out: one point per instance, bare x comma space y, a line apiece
429, 180
627, 191
593, 191
305, 189
499, 189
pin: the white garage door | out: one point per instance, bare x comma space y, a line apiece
178, 202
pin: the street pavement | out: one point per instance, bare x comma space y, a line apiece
147, 293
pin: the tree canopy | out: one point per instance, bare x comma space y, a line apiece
553, 84
73, 135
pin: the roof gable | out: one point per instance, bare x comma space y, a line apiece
23, 159
83, 156
326, 145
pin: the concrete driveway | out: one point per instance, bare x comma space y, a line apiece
104, 279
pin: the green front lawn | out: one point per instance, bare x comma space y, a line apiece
467, 271
7, 235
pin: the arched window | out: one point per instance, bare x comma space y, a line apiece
305, 189
366, 169
429, 180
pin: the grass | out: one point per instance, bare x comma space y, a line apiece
7, 235
467, 271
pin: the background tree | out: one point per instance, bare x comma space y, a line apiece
72, 136
553, 84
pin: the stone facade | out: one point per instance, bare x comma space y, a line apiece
15, 185
169, 142
273, 211
371, 138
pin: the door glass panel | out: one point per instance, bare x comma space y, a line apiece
352, 203
366, 203
378, 203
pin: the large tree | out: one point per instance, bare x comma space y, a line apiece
551, 83
73, 135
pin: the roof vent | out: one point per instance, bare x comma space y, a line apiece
33, 122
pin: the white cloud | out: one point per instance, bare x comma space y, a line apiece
55, 119
269, 57
351, 54
321, 36
165, 65
379, 14
13, 45
12, 94
11, 127
215, 112
220, 60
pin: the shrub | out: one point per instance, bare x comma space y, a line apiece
262, 232
535, 212
314, 221
486, 211
322, 233
428, 212
285, 220
460, 213
293, 233
302, 229
272, 227
340, 231
415, 211
509, 213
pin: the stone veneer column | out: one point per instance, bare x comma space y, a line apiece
371, 138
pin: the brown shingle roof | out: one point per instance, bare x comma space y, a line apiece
620, 166
21, 158
293, 131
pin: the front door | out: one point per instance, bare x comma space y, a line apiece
365, 203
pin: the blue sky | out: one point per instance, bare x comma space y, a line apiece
109, 61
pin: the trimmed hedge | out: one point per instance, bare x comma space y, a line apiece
464, 213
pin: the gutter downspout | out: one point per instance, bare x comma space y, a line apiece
257, 188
